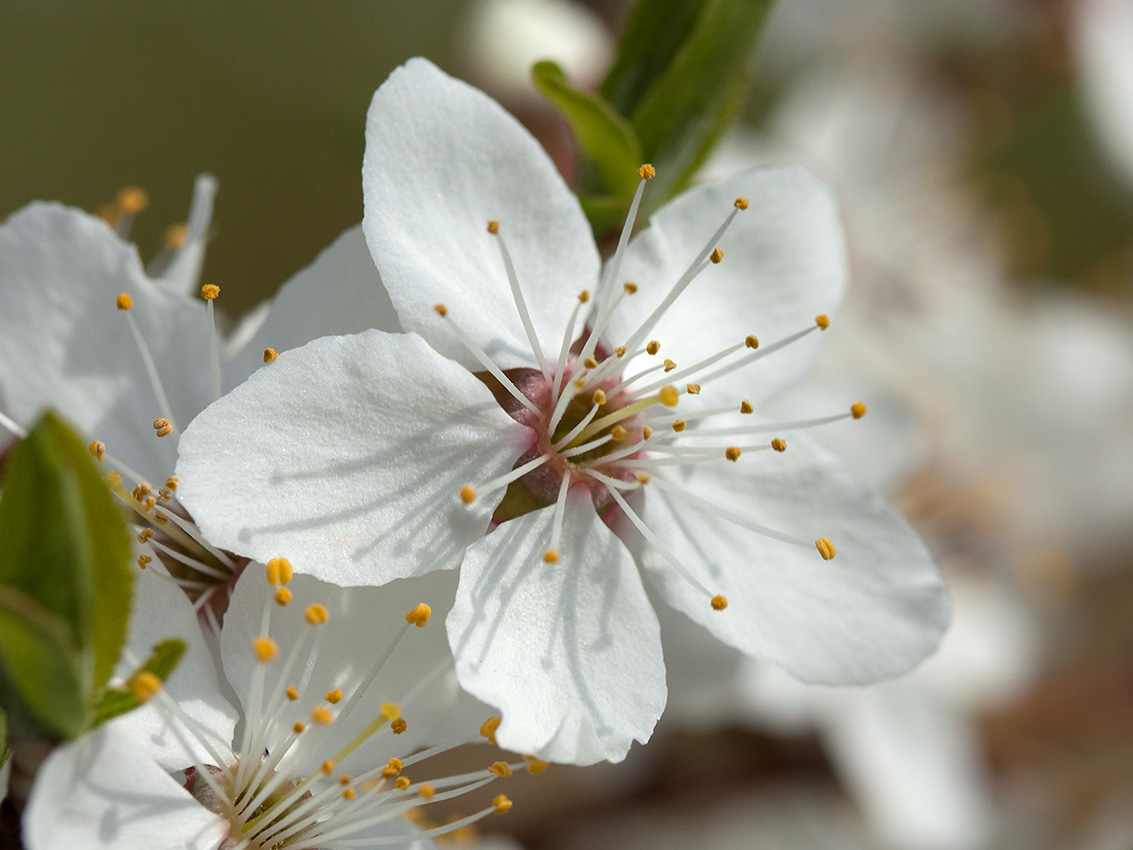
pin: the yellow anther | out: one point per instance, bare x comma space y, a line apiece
693, 389
779, 445
825, 548
334, 697
210, 291
719, 603
646, 432
500, 768
732, 453
97, 449
278, 571
174, 236
162, 427
643, 477
144, 685
344, 778
550, 557
488, 729
741, 203
298, 726
141, 491
390, 710
426, 791
679, 425
670, 365
327, 767
857, 410
348, 794
584, 296
171, 483
144, 561
392, 769
535, 766
322, 715
653, 347
282, 596
270, 354
292, 693
493, 227
160, 518
114, 479
618, 433
419, 615
165, 494
620, 351
132, 199
716, 256
751, 341
630, 287
441, 309
401, 783
467, 494
822, 321
590, 363
646, 172
579, 383
599, 397
398, 725
145, 534
669, 396
316, 614
149, 502
501, 803
265, 648
745, 407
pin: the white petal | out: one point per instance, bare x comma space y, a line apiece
569, 652
339, 293
347, 456
784, 263
161, 610
364, 624
102, 791
442, 159
64, 343
183, 273
874, 611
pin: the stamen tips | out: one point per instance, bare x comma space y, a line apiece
322, 715
144, 561
145, 685
669, 396
132, 199
441, 309
500, 768
162, 427
333, 697
679, 425
426, 791
398, 725
643, 478
620, 351
393, 768
292, 693
751, 341
282, 597
693, 389
535, 766
825, 548
210, 291
745, 407
550, 557
670, 365
732, 453
171, 483
174, 236
716, 256
653, 347
401, 783
264, 648
270, 354
316, 614
419, 615
501, 803
97, 450
493, 227
823, 321
618, 433
278, 571
629, 287
741, 203
584, 296
590, 363
719, 602
646, 172
488, 729
857, 410
391, 710
779, 445
646, 432
468, 494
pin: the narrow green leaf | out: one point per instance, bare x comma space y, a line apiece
606, 139
162, 660
64, 543
41, 677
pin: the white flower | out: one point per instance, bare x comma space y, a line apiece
511, 405
341, 702
1102, 31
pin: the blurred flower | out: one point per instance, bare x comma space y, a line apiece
340, 698
1103, 33
375, 457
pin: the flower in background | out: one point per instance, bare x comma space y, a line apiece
1103, 31
536, 397
341, 700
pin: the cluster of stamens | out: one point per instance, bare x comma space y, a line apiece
605, 422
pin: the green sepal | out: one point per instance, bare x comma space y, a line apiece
162, 660
606, 139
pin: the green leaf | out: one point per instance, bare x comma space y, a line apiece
680, 78
605, 212
41, 675
162, 660
65, 548
606, 139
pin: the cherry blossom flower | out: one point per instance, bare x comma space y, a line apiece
552, 426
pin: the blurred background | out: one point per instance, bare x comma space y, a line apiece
982, 154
